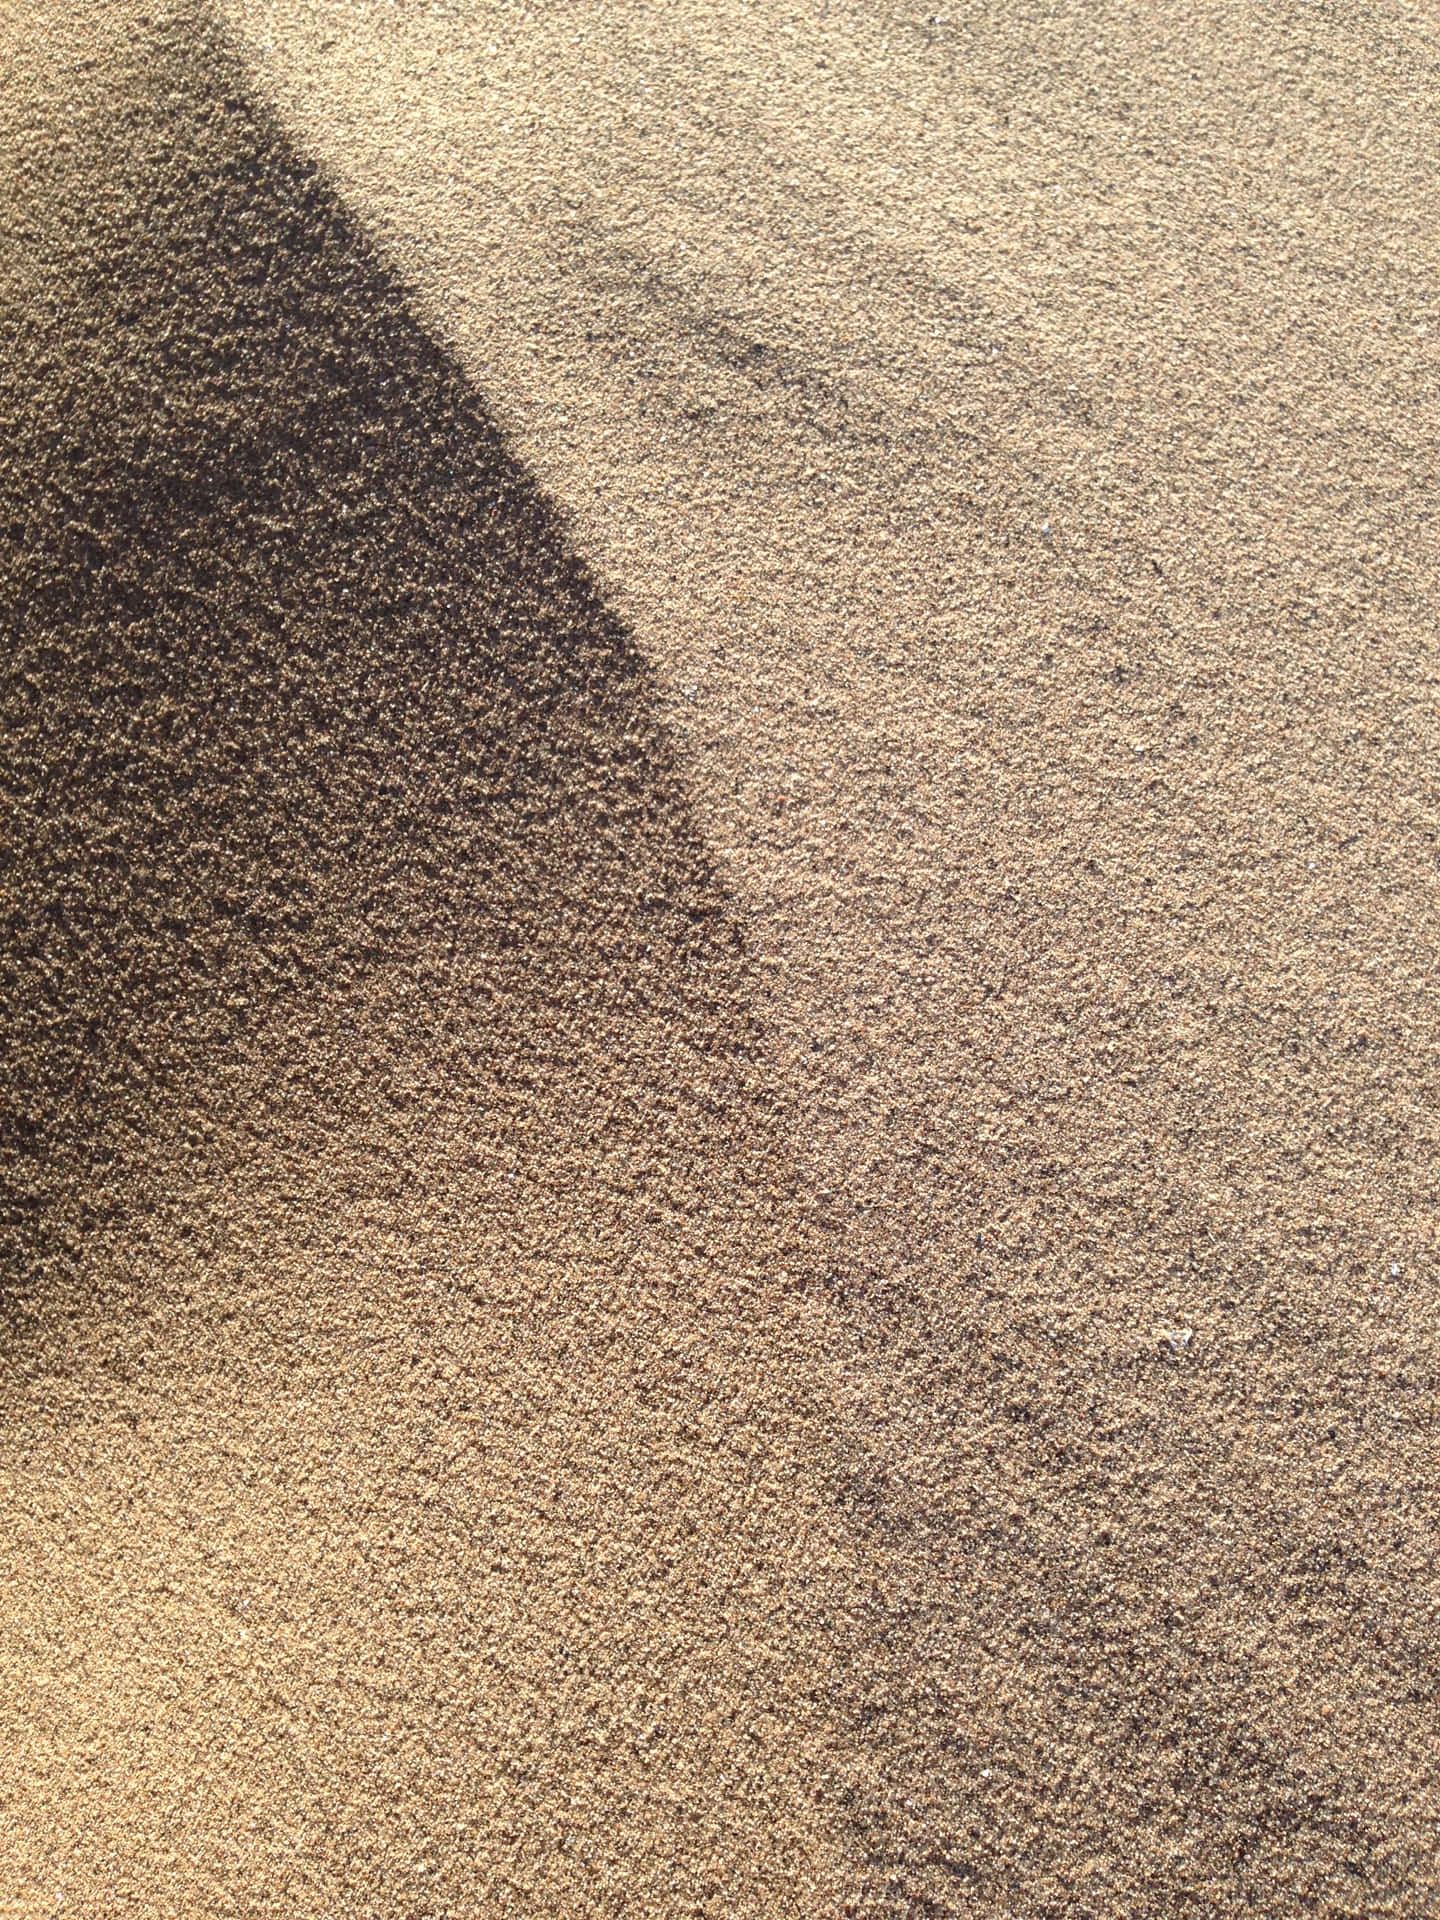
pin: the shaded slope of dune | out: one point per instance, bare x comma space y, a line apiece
304, 693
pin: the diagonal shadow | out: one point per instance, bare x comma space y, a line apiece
302, 685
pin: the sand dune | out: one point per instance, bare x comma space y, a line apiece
720, 1064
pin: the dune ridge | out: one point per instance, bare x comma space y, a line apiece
721, 1084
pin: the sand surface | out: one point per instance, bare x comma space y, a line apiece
721, 1181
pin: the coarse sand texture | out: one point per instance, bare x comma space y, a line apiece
721, 888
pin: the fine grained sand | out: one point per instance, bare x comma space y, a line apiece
722, 839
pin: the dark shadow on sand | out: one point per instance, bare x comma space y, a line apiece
301, 682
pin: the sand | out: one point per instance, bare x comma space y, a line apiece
721, 859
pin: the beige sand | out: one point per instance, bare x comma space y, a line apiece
722, 852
